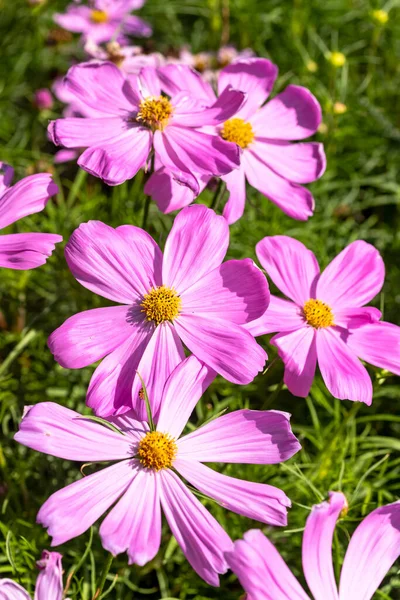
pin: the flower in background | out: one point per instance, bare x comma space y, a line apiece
337, 59
145, 477
188, 295
133, 118
325, 319
28, 196
128, 58
49, 584
373, 548
43, 99
104, 20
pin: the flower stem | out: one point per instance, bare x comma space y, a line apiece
219, 194
103, 576
146, 211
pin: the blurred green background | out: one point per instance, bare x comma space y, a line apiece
346, 445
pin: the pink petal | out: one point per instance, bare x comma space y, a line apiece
262, 571
317, 547
76, 19
9, 590
228, 103
84, 132
146, 251
183, 389
28, 196
353, 278
225, 347
344, 376
202, 539
172, 158
23, 251
280, 315
236, 186
6, 177
168, 193
258, 501
88, 336
255, 76
294, 114
134, 524
243, 436
295, 201
377, 344
56, 430
149, 82
177, 78
298, 351
104, 261
373, 548
135, 26
196, 244
300, 163
49, 583
236, 291
72, 510
352, 318
292, 267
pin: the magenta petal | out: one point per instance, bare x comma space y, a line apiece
259, 501
72, 510
168, 193
9, 590
292, 267
88, 336
84, 132
221, 110
135, 26
49, 583
299, 163
134, 524
146, 252
265, 438
176, 78
373, 548
6, 177
202, 539
149, 82
377, 344
298, 351
172, 158
353, 278
344, 375
236, 186
225, 347
29, 195
196, 244
317, 547
352, 318
281, 315
53, 429
76, 19
23, 251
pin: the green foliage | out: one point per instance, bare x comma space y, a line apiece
346, 446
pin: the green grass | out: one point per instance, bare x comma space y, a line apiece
346, 445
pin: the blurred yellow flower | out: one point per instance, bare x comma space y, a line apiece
380, 16
339, 108
323, 128
312, 66
337, 59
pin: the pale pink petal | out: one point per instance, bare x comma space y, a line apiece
221, 110
353, 278
72, 510
104, 261
196, 244
149, 82
63, 156
182, 391
262, 571
259, 501
84, 132
377, 344
177, 78
56, 430
255, 76
298, 351
236, 291
292, 267
28, 196
344, 375
225, 347
168, 193
295, 201
6, 177
76, 19
9, 590
49, 583
243, 436
236, 186
353, 318
172, 158
281, 315
294, 114
202, 539
23, 251
136, 26
317, 547
300, 163
373, 548
134, 524
88, 336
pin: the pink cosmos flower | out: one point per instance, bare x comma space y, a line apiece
325, 319
269, 161
104, 20
133, 118
373, 548
130, 59
30, 195
49, 585
188, 295
145, 478
43, 99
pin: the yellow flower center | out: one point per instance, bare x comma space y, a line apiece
155, 112
318, 314
238, 131
99, 16
157, 450
161, 304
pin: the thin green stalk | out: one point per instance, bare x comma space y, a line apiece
103, 576
219, 194
146, 211
17, 350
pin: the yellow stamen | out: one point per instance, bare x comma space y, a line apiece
161, 304
318, 314
115, 54
99, 16
155, 112
238, 131
157, 450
